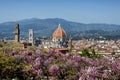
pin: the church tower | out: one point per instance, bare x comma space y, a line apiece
70, 43
17, 33
31, 36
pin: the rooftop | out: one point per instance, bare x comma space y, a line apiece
59, 32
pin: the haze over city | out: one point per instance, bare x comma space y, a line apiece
83, 11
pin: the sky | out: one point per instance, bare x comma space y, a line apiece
83, 11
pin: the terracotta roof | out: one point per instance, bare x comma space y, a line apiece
59, 32
61, 49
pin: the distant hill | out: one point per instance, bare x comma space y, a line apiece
45, 27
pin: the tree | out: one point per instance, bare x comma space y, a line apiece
10, 69
85, 52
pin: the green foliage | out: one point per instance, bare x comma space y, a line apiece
93, 54
8, 44
1, 45
71, 74
44, 51
85, 52
57, 63
7, 47
10, 69
1, 55
33, 48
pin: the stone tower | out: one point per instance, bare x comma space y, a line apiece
17, 33
70, 43
31, 36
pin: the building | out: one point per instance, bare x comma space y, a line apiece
58, 39
31, 36
17, 43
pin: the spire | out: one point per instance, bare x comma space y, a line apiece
59, 25
70, 37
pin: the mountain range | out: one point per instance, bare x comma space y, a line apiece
45, 27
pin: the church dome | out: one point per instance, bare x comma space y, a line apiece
59, 32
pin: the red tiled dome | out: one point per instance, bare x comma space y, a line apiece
59, 32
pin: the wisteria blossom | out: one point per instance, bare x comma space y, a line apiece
54, 65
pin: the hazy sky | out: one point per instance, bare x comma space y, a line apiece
84, 11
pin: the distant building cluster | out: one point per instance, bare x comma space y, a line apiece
100, 46
60, 42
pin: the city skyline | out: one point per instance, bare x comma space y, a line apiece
83, 11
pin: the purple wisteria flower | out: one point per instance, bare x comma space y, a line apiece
38, 72
89, 73
46, 63
105, 74
53, 69
116, 66
37, 62
58, 66
13, 53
